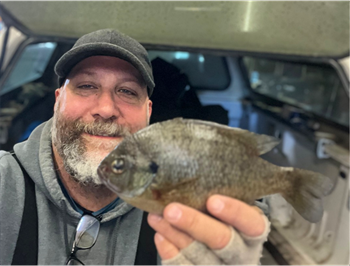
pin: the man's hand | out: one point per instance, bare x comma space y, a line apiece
181, 230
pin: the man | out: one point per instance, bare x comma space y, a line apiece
105, 84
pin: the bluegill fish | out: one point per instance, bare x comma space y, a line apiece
186, 161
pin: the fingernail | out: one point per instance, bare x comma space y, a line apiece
155, 218
217, 205
174, 213
159, 237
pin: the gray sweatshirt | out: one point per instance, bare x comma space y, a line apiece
57, 220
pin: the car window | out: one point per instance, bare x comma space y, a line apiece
30, 66
314, 88
15, 38
205, 72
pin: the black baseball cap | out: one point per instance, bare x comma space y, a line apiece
108, 42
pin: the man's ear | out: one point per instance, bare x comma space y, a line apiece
57, 95
149, 108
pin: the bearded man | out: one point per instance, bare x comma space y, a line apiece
105, 82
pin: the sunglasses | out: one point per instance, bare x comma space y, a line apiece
85, 237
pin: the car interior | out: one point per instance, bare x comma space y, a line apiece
291, 84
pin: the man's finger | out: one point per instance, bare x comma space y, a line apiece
166, 250
178, 238
198, 225
240, 215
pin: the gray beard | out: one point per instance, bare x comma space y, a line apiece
78, 162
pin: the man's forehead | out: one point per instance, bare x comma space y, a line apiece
91, 73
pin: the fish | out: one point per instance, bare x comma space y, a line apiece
188, 160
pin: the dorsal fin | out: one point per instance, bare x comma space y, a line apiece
265, 143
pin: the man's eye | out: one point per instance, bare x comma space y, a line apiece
86, 86
126, 92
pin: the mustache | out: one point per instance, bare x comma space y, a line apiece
102, 127
71, 130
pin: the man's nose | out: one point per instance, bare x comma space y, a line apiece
105, 106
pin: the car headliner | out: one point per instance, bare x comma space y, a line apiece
294, 28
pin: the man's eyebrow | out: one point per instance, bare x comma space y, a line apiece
84, 72
133, 79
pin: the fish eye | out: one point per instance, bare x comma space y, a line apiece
118, 166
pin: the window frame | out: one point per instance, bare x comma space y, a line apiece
20, 57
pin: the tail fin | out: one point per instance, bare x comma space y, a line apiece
308, 189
